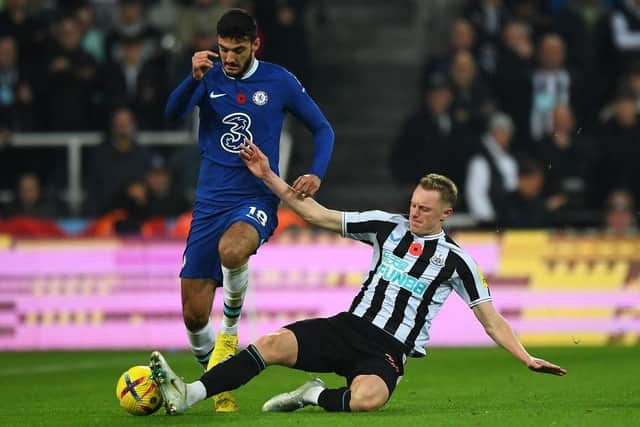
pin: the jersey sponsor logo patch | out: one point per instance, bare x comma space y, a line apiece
394, 270
260, 97
239, 132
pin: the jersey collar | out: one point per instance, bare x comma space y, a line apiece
430, 236
251, 71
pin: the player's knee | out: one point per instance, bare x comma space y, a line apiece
194, 318
365, 399
232, 256
276, 349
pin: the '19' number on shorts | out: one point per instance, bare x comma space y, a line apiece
259, 215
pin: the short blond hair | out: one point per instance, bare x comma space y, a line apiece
443, 185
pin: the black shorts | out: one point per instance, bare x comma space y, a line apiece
349, 346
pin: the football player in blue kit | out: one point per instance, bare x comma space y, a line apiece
239, 98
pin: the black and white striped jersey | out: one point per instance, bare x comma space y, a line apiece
410, 276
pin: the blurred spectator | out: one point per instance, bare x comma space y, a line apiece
196, 18
29, 30
462, 38
488, 17
71, 80
618, 149
583, 25
184, 165
526, 207
29, 200
424, 144
551, 85
16, 92
285, 42
630, 82
92, 36
138, 83
620, 215
116, 162
131, 21
532, 12
164, 200
513, 85
625, 31
566, 156
134, 201
472, 101
492, 173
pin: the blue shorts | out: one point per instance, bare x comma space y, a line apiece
201, 259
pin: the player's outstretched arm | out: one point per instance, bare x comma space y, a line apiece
308, 208
500, 331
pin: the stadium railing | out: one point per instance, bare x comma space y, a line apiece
75, 141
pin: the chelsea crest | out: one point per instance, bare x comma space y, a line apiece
260, 97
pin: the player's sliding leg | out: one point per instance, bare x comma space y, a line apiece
366, 393
197, 298
307, 394
236, 245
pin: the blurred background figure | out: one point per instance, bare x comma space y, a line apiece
552, 84
618, 150
30, 201
137, 82
472, 100
164, 199
71, 80
492, 173
513, 78
131, 20
526, 207
567, 156
16, 90
120, 153
621, 216
461, 39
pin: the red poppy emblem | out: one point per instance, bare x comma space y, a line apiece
241, 98
415, 249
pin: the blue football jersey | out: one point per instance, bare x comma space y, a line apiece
251, 107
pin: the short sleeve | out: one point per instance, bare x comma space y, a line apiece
468, 280
364, 226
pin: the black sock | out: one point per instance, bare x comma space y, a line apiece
233, 372
335, 400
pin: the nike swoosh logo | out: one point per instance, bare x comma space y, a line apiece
216, 95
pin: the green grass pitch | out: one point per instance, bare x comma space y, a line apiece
450, 387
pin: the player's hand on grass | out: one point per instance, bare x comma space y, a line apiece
255, 159
307, 185
201, 62
542, 366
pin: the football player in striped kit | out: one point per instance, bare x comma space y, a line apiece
415, 267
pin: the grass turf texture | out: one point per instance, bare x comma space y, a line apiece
450, 387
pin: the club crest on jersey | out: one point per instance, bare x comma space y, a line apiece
437, 259
260, 97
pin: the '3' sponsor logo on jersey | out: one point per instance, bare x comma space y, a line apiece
239, 131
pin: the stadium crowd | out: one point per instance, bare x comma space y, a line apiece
81, 65
532, 108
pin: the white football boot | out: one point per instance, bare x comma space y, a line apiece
173, 389
296, 399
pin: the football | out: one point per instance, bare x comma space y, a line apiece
137, 392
